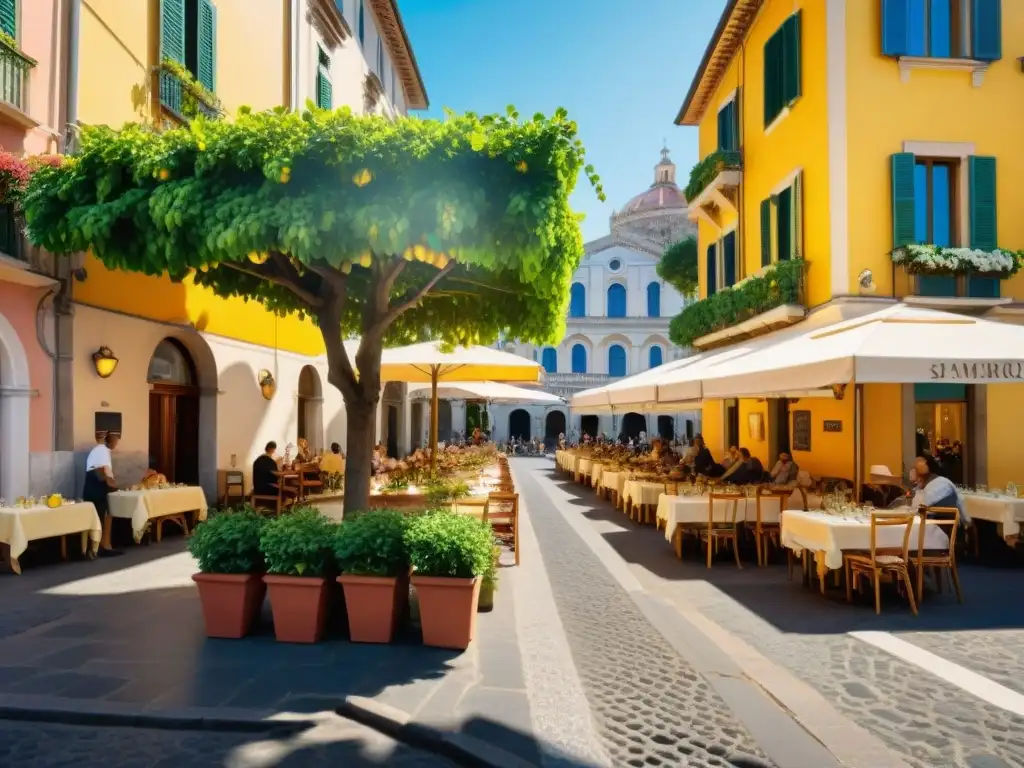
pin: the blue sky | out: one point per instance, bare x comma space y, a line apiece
621, 68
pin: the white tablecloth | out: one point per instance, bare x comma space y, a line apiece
693, 510
142, 506
20, 526
641, 492
596, 470
1006, 511
613, 481
583, 467
831, 535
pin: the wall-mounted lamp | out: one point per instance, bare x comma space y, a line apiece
267, 384
104, 362
838, 391
866, 282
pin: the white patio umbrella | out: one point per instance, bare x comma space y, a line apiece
639, 389
491, 391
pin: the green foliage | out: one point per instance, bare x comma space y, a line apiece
783, 284
704, 172
193, 93
372, 544
447, 544
298, 543
678, 266
229, 542
274, 205
490, 579
395, 485
441, 490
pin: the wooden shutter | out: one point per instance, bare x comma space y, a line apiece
9, 17
982, 182
172, 30
324, 91
723, 127
796, 218
729, 259
895, 27
902, 164
986, 30
711, 268
791, 60
772, 78
766, 232
206, 45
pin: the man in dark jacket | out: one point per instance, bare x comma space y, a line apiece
751, 471
703, 463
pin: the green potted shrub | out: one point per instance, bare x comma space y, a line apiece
489, 584
297, 549
231, 589
449, 554
371, 557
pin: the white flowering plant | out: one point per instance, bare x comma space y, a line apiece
937, 259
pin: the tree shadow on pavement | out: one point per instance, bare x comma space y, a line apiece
792, 606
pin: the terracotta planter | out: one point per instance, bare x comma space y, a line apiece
375, 605
447, 610
231, 602
299, 605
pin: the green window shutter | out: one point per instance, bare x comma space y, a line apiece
987, 30
9, 17
206, 37
982, 181
772, 78
172, 30
766, 232
902, 164
791, 59
796, 218
324, 93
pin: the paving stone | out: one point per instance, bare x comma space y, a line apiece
643, 695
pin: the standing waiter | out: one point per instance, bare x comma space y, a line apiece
99, 482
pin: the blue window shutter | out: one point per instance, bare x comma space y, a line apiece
579, 358
616, 300
902, 164
549, 359
895, 27
577, 300
654, 357
654, 300
172, 30
711, 262
9, 17
362, 27
983, 287
982, 183
986, 30
206, 37
616, 360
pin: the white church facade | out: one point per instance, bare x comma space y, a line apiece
619, 313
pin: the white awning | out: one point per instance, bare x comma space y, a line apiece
640, 388
492, 391
898, 344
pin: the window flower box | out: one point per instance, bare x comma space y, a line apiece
939, 261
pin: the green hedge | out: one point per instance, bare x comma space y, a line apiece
704, 172
780, 285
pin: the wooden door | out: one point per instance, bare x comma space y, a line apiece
162, 420
186, 439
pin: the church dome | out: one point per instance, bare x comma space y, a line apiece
658, 196
658, 213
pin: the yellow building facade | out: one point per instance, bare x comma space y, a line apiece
186, 394
832, 132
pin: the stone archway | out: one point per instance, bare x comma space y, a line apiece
554, 425
519, 424
15, 390
633, 424
310, 408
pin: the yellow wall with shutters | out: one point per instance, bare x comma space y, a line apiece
933, 106
119, 45
797, 141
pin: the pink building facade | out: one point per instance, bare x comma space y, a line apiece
32, 117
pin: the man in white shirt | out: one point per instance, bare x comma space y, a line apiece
99, 482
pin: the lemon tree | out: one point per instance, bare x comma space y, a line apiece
390, 231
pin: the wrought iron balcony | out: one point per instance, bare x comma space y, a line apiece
182, 100
14, 72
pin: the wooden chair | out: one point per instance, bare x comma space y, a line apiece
717, 530
310, 479
938, 559
768, 533
503, 515
882, 561
477, 507
275, 504
234, 486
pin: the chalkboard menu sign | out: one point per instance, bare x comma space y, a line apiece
801, 431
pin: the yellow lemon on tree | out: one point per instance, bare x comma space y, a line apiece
441, 261
257, 257
164, 174
419, 252
362, 178
54, 500
521, 166
408, 254
365, 260
346, 267
204, 268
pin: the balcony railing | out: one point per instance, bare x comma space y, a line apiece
14, 69
182, 100
10, 234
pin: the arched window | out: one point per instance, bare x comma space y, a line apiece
654, 357
577, 300
616, 300
616, 360
579, 358
549, 359
171, 364
654, 300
